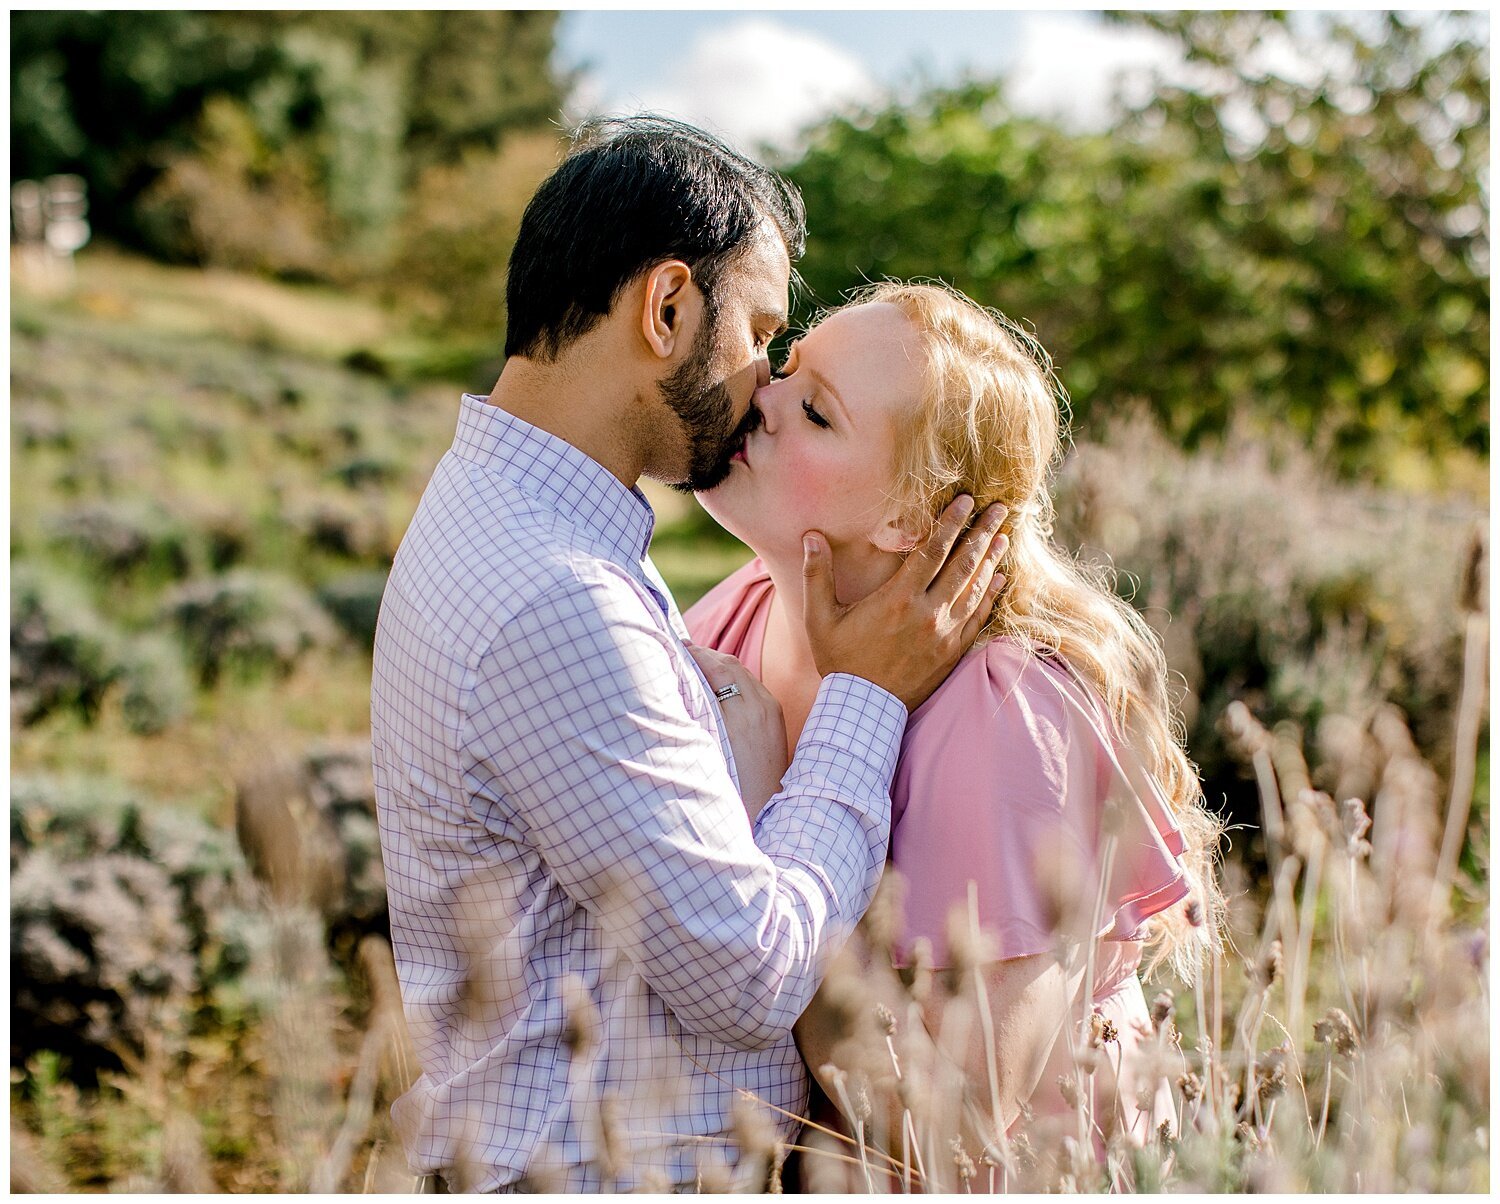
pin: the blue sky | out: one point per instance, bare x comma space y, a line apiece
631, 46
761, 74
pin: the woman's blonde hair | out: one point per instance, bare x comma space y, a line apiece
990, 425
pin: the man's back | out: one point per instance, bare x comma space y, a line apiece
584, 926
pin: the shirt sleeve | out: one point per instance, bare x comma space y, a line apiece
580, 733
1011, 781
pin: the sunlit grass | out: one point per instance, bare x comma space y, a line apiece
221, 400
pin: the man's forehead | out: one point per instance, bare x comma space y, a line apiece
765, 273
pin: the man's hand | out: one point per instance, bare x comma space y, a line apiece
757, 732
907, 636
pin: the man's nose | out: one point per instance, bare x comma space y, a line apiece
763, 371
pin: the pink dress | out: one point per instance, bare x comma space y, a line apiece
1004, 779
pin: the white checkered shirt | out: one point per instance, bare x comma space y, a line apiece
560, 818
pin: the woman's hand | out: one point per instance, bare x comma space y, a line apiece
757, 732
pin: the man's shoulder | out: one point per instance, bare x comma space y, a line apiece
481, 551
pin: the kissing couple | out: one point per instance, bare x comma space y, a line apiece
622, 844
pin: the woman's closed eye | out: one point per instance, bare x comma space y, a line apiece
813, 416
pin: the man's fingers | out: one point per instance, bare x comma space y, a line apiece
981, 614
967, 559
989, 567
924, 564
819, 599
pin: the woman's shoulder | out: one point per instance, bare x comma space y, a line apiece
708, 617
1001, 677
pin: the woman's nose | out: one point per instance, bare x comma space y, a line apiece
767, 400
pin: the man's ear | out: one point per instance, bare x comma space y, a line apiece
671, 307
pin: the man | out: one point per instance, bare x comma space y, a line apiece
597, 953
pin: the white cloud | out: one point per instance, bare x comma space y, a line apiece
1068, 66
755, 81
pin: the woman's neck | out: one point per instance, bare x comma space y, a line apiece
788, 667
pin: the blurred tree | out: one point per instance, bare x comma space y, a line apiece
102, 94
187, 125
1312, 254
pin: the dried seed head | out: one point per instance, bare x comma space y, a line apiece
885, 1019
1338, 1030
883, 920
1162, 1008
1112, 821
968, 949
714, 1176
1310, 819
920, 985
1244, 733
1270, 1072
753, 1131
1101, 1029
1355, 822
580, 1017
1021, 1150
1194, 911
778, 1161
1266, 971
1191, 1086
859, 1099
962, 1161
607, 1133
1164, 1134
1068, 1089
1471, 591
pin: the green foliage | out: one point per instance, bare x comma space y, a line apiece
63, 654
157, 689
1312, 256
279, 141
122, 911
245, 622
353, 599
1273, 586
451, 259
124, 535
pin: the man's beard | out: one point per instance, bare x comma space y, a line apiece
706, 411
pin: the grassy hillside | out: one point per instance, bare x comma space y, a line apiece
209, 476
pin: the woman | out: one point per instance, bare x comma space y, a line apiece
1041, 789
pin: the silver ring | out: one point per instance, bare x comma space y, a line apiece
729, 691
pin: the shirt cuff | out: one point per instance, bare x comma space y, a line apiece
856, 728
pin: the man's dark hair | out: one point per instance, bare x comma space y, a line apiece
631, 193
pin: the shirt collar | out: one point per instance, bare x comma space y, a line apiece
557, 474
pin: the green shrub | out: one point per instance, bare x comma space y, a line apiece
126, 913
63, 654
1272, 585
120, 535
157, 689
354, 602
246, 622
350, 527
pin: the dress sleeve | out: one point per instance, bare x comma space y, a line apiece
1011, 779
716, 619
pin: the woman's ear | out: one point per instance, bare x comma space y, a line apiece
671, 307
895, 535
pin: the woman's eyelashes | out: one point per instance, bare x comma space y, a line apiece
813, 416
